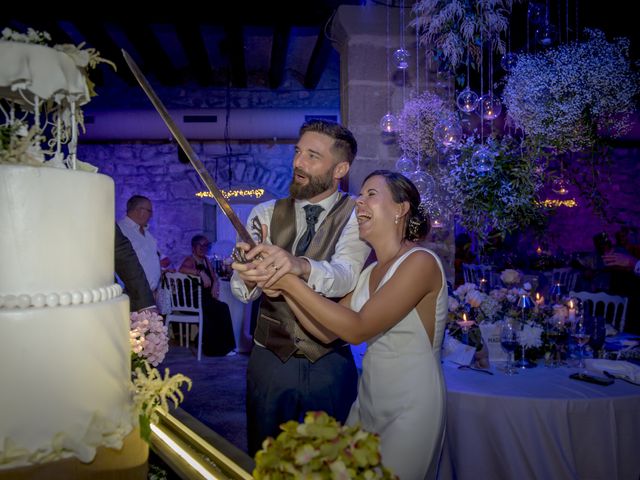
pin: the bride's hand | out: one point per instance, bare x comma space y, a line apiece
272, 293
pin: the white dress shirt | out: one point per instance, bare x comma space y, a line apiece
333, 278
146, 248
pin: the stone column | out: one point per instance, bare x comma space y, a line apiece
365, 37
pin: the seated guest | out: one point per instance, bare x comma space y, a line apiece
217, 335
628, 286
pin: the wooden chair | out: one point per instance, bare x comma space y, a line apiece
612, 307
564, 276
474, 273
186, 305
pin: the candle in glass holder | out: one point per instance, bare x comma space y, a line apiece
465, 325
572, 312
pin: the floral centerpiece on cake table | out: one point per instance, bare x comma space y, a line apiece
321, 448
152, 392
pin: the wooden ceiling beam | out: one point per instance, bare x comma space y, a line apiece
153, 55
234, 49
318, 61
279, 48
195, 49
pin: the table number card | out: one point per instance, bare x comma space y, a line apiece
491, 337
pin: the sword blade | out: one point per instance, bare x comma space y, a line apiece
191, 155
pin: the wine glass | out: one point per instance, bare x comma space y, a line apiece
551, 334
581, 337
596, 327
509, 342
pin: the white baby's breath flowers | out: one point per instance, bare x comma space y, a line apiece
566, 97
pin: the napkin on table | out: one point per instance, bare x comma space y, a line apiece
614, 367
457, 352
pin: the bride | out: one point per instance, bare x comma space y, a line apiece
399, 308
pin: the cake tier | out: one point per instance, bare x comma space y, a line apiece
57, 230
66, 381
29, 70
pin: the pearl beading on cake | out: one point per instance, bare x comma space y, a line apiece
62, 299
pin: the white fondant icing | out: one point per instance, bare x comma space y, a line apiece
65, 376
68, 388
58, 223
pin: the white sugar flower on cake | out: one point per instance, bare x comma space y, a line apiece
42, 90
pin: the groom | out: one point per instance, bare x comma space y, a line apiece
312, 234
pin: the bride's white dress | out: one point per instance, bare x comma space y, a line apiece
401, 392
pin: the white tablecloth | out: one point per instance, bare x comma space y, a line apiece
539, 424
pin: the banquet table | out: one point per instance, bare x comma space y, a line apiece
539, 424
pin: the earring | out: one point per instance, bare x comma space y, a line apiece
396, 219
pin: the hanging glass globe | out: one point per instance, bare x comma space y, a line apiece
389, 123
424, 182
483, 159
467, 100
508, 61
489, 107
405, 165
546, 35
536, 13
401, 56
447, 133
560, 186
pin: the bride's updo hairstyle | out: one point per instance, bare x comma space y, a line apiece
402, 189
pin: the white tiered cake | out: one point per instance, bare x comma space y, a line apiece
65, 371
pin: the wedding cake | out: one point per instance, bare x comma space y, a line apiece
65, 400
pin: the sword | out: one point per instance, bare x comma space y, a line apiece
191, 155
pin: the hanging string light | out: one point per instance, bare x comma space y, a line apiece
467, 101
546, 34
388, 123
401, 55
509, 59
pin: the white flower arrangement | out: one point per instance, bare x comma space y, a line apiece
151, 391
149, 345
510, 277
454, 27
416, 124
566, 97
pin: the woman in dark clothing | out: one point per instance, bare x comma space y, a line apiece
217, 335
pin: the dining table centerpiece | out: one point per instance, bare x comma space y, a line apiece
489, 310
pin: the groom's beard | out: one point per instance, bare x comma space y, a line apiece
315, 186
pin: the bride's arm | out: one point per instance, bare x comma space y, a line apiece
411, 282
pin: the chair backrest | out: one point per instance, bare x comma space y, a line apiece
564, 276
474, 273
612, 307
186, 294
